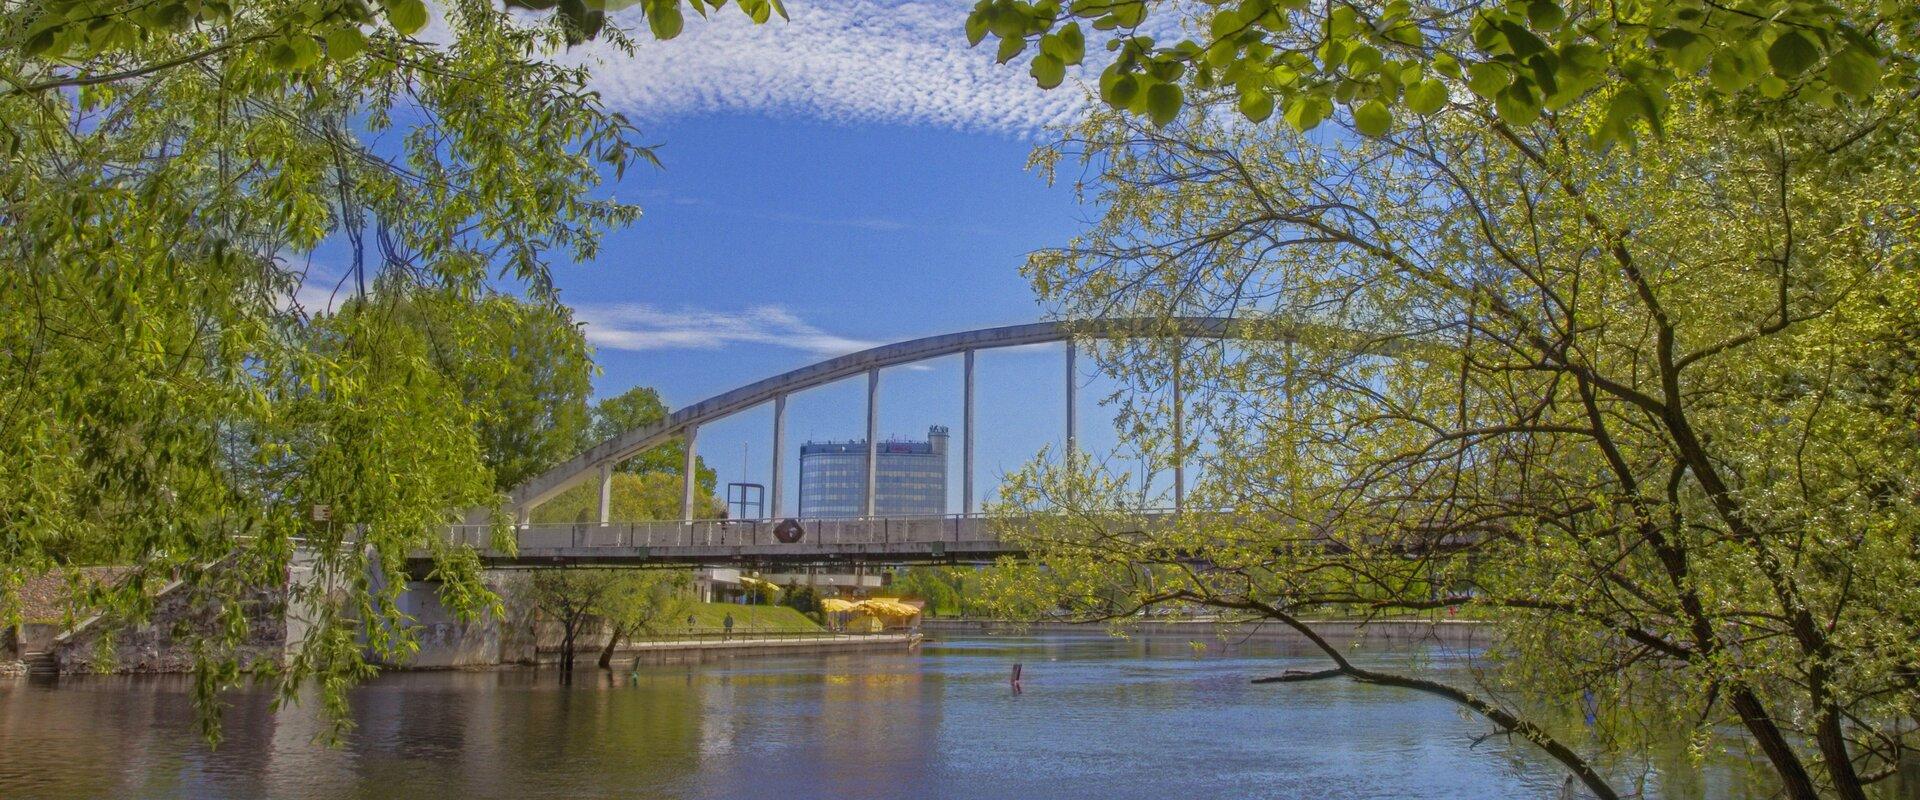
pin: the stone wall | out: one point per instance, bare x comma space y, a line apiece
164, 643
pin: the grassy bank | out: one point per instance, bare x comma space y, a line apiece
746, 619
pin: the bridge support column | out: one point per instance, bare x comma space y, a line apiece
606, 492
779, 451
1073, 442
873, 437
1179, 436
966, 440
689, 477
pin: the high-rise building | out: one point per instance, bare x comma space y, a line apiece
912, 478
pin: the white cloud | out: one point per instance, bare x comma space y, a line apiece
638, 326
849, 60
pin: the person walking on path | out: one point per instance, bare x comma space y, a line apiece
726, 627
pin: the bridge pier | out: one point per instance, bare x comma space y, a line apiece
779, 451
689, 474
966, 441
873, 437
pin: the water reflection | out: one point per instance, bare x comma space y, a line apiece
1098, 718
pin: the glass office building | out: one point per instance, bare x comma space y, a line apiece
912, 478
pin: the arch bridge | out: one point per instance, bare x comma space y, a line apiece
869, 538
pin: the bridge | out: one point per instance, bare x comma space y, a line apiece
869, 538
949, 539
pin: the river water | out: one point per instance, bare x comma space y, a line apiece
1098, 717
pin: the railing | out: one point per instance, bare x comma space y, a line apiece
951, 528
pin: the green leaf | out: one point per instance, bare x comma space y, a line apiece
1073, 44
1516, 105
1427, 97
1163, 102
976, 28
1729, 72
1048, 71
407, 16
1363, 60
345, 42
1447, 65
1792, 53
1373, 118
1486, 78
1256, 105
1546, 15
665, 20
1010, 47
40, 41
1307, 110
1854, 72
1118, 90
1342, 22
1523, 42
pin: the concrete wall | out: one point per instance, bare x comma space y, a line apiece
157, 646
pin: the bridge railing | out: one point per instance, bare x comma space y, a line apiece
953, 528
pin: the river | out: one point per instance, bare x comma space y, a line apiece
1097, 717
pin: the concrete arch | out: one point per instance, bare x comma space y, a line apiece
604, 455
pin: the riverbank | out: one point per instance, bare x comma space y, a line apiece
1447, 632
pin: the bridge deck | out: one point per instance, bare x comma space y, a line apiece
878, 540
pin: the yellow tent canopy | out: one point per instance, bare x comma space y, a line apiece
835, 605
885, 607
757, 582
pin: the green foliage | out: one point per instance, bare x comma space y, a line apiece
1652, 410
523, 368
1532, 56
941, 587
800, 598
638, 408
634, 498
171, 168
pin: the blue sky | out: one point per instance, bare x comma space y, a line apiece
851, 178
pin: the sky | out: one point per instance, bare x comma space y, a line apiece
851, 178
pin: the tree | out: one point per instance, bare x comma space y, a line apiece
638, 408
522, 367
174, 182
570, 597
1525, 58
939, 586
800, 598
635, 498
643, 601
1653, 409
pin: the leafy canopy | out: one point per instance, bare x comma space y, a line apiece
1383, 58
178, 178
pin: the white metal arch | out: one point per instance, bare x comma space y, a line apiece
685, 422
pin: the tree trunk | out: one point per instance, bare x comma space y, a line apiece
613, 640
569, 627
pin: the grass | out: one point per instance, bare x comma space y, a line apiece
747, 619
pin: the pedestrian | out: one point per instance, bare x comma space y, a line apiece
726, 627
